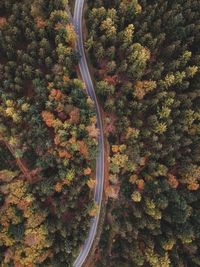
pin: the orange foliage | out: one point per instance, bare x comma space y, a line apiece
48, 118
65, 78
111, 80
143, 161
191, 178
83, 149
56, 140
58, 187
40, 23
112, 191
53, 92
23, 205
18, 264
72, 140
92, 131
32, 239
133, 179
93, 211
94, 119
50, 85
3, 22
193, 186
110, 124
8, 255
66, 182
75, 115
56, 94
87, 171
172, 180
44, 256
140, 184
64, 154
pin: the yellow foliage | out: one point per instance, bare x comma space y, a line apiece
168, 245
10, 111
7, 176
115, 148
14, 141
9, 103
25, 107
119, 160
16, 118
122, 148
109, 27
132, 132
93, 120
93, 211
6, 240
90, 102
156, 260
169, 80
91, 183
143, 87
136, 196
71, 35
56, 124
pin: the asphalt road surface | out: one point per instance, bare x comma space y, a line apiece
98, 195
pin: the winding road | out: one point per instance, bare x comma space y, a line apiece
98, 194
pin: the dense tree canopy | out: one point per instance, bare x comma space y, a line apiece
145, 58
47, 148
146, 61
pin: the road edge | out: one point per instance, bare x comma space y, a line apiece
90, 260
90, 257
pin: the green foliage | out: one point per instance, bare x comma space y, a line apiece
45, 137
154, 111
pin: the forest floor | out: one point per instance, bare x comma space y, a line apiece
72, 5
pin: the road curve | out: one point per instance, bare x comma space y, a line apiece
98, 194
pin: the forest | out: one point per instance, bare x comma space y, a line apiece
145, 57
48, 137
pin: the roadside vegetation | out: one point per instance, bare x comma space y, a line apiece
146, 61
48, 137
